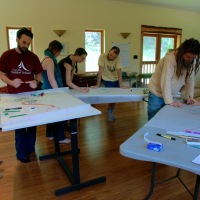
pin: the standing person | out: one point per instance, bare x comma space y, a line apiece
68, 67
177, 68
51, 77
111, 74
21, 71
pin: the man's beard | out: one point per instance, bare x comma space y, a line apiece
22, 50
109, 58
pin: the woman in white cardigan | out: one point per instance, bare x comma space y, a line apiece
177, 68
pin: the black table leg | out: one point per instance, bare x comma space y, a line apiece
153, 175
196, 190
73, 175
76, 184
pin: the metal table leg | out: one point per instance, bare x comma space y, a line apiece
73, 175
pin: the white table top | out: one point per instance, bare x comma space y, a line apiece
177, 119
109, 95
31, 108
59, 104
174, 153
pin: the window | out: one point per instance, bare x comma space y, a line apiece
11, 37
94, 45
156, 41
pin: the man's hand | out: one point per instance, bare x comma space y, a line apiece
17, 82
94, 86
32, 84
196, 102
176, 104
190, 101
85, 90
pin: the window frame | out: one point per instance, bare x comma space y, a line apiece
17, 28
158, 32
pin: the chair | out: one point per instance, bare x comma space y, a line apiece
144, 78
129, 76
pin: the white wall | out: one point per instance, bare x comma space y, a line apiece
77, 15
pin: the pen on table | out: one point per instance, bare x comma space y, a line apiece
13, 108
171, 133
166, 136
17, 115
9, 111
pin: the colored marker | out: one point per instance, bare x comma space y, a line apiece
17, 108
8, 111
166, 136
17, 115
193, 132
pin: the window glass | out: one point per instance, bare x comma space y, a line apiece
149, 48
93, 46
166, 44
11, 37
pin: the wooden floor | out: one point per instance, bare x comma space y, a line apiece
99, 142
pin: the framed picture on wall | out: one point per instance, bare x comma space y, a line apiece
64, 50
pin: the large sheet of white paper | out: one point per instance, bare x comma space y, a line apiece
110, 95
41, 107
177, 119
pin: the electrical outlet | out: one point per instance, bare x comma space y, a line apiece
135, 56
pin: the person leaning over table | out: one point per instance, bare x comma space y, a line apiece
21, 71
68, 66
111, 74
177, 68
52, 78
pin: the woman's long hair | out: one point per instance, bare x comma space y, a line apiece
189, 46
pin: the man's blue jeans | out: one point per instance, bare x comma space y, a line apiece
25, 139
154, 105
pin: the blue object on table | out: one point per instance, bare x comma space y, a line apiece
154, 146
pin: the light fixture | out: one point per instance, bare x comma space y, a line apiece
125, 35
59, 32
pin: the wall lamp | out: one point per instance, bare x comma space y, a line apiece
125, 35
59, 32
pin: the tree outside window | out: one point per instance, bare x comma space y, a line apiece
94, 47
